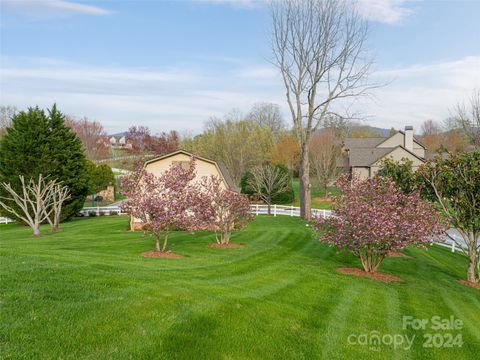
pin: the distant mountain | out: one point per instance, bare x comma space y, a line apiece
124, 133
384, 132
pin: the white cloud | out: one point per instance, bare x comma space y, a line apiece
41, 8
384, 11
259, 72
423, 91
249, 4
184, 97
175, 98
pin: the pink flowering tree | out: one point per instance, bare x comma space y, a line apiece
374, 217
228, 209
167, 203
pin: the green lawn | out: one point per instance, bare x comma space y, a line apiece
317, 192
85, 293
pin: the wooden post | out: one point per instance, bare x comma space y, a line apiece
274, 209
256, 205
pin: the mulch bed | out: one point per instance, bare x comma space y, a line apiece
227, 246
158, 254
374, 276
398, 254
471, 284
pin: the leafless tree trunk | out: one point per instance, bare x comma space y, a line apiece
324, 151
59, 195
467, 116
319, 47
33, 201
268, 181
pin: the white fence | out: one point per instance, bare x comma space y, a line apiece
101, 210
4, 220
261, 209
257, 209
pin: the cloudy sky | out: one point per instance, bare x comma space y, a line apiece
173, 64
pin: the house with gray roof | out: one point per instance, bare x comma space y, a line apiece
363, 156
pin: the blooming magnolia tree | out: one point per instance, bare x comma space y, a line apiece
228, 209
166, 203
374, 217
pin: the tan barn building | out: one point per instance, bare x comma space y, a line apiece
363, 156
203, 167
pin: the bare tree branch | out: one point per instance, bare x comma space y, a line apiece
268, 181
319, 47
34, 201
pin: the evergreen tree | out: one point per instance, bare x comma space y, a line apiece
100, 177
41, 143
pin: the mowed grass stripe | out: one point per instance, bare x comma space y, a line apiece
86, 293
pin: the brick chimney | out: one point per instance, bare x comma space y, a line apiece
408, 144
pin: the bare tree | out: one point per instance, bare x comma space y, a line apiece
267, 181
35, 198
59, 194
6, 115
319, 47
92, 135
467, 116
324, 151
239, 145
268, 115
431, 134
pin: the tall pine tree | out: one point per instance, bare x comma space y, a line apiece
41, 143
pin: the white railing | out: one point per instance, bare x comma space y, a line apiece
261, 209
257, 209
4, 220
101, 210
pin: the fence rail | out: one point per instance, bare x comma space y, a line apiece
261, 209
4, 220
257, 209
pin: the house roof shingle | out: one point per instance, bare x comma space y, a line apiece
363, 143
366, 157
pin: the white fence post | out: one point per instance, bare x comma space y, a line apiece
291, 211
453, 246
274, 209
256, 206
324, 213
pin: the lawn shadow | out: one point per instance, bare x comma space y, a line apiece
192, 338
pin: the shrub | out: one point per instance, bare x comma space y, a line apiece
92, 213
374, 217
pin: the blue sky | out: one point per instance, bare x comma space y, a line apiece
173, 64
